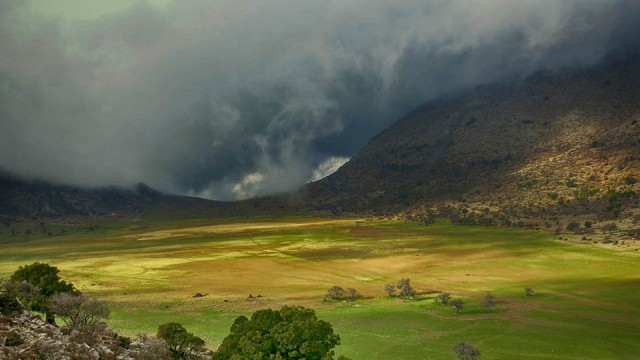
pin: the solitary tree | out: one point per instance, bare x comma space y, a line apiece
528, 291
45, 278
457, 304
288, 333
405, 289
489, 301
443, 297
466, 351
182, 344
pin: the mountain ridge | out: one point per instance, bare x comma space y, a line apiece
20, 198
556, 142
533, 143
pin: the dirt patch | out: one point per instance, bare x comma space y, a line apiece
375, 232
435, 334
330, 253
233, 228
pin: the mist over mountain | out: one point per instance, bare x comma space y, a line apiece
20, 199
230, 100
558, 143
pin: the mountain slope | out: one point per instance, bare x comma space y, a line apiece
554, 139
36, 199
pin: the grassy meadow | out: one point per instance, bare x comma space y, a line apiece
586, 302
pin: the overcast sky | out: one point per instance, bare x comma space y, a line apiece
232, 99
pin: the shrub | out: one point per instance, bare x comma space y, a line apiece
13, 339
182, 344
389, 290
79, 312
573, 226
151, 348
528, 291
466, 351
457, 304
489, 301
9, 305
443, 297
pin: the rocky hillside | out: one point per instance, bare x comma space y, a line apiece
559, 143
27, 337
562, 140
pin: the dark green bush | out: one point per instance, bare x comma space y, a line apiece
13, 339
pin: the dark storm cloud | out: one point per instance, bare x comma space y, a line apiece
233, 99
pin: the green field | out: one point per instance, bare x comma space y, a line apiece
586, 303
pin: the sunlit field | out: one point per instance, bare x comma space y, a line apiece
585, 305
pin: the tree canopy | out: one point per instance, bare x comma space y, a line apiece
45, 280
182, 344
79, 312
289, 333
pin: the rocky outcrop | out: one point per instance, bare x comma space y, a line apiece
26, 336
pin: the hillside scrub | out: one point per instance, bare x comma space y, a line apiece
84, 335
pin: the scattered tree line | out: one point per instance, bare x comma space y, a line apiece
292, 332
609, 204
403, 289
288, 333
338, 293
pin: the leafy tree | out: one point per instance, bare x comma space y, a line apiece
443, 297
182, 344
289, 333
404, 286
466, 351
457, 304
353, 293
79, 312
22, 291
389, 290
13, 339
528, 291
335, 292
45, 278
9, 303
489, 301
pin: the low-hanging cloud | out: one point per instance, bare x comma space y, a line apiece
236, 99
